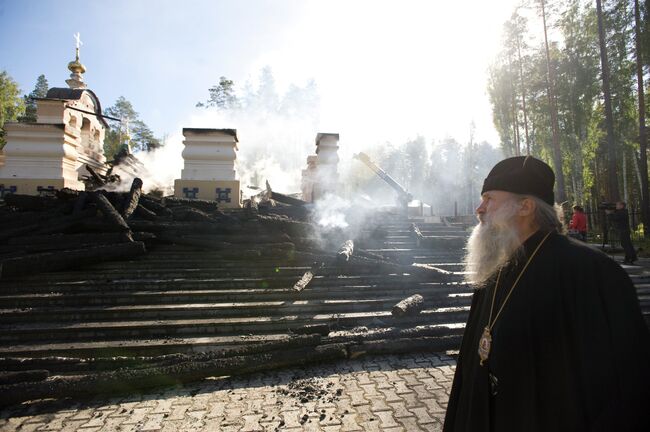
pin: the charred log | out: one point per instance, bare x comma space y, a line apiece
32, 203
68, 241
67, 364
23, 376
110, 214
125, 381
310, 329
190, 214
304, 281
155, 206
97, 180
53, 261
345, 252
179, 228
412, 305
205, 243
291, 227
54, 224
132, 199
144, 213
396, 346
203, 205
80, 203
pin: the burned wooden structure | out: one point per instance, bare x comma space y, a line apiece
111, 292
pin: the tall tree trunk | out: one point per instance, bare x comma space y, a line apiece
523, 95
626, 196
637, 170
560, 193
643, 144
612, 179
515, 117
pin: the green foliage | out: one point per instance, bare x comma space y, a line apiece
264, 99
575, 65
12, 105
130, 130
40, 91
222, 95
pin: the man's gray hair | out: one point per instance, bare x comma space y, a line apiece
547, 217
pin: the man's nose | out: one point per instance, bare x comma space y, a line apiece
480, 209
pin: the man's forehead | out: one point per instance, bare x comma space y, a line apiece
495, 193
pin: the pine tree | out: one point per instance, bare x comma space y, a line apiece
12, 105
40, 91
141, 137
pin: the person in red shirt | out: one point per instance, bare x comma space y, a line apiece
579, 222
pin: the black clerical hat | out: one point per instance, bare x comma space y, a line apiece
522, 175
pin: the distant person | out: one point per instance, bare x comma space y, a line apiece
578, 223
620, 220
555, 339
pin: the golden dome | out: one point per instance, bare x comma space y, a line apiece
76, 66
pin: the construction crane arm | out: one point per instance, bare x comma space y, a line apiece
404, 196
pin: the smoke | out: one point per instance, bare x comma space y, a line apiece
276, 134
331, 212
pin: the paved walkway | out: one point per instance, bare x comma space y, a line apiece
384, 393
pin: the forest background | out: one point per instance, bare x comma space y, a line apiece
570, 87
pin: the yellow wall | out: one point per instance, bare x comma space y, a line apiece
207, 190
29, 186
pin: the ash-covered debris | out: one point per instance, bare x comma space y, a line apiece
238, 280
307, 390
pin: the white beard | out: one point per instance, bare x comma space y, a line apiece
493, 243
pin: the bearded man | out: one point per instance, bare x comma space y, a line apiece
555, 339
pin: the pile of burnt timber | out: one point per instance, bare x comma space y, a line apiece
217, 292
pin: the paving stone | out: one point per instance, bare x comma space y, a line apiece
291, 419
216, 409
378, 404
432, 427
422, 416
98, 420
252, 423
411, 400
177, 426
30, 427
410, 423
386, 418
153, 423
432, 405
67, 425
369, 390
411, 380
390, 395
387, 393
84, 414
357, 398
401, 388
399, 408
421, 391
393, 376
137, 415
349, 423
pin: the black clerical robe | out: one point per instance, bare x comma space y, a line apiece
570, 351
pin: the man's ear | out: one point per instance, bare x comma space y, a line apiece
526, 207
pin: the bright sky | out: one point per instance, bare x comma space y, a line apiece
385, 70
